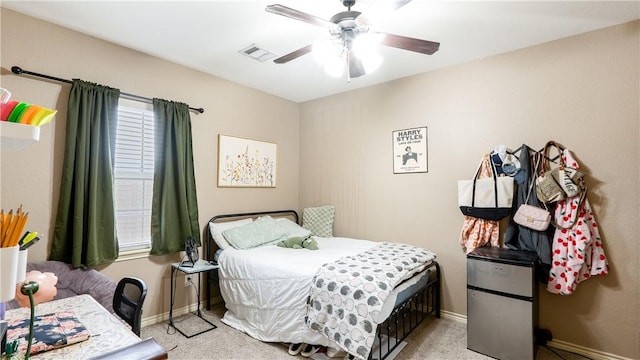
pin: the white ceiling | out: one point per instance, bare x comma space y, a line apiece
208, 35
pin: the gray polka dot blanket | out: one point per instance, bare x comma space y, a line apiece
347, 295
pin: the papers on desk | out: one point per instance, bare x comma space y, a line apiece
50, 331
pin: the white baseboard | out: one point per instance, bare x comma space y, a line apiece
584, 351
453, 316
556, 344
151, 320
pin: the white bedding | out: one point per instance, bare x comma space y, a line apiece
265, 289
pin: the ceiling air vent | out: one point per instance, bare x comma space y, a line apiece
257, 53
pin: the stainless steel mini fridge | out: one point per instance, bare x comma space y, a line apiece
502, 303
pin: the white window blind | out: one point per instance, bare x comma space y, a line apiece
133, 172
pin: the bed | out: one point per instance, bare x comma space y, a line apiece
279, 294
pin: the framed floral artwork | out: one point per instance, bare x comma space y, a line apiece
246, 163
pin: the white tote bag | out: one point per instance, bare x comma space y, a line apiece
487, 198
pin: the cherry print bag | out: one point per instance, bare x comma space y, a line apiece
577, 251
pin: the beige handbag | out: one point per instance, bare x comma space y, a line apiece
559, 183
570, 180
531, 216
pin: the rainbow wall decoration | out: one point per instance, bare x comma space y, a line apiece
25, 113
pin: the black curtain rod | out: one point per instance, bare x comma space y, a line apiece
19, 71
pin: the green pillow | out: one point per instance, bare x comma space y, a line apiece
264, 230
319, 220
292, 229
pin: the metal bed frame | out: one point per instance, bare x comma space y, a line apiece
404, 318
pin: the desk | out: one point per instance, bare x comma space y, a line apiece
106, 330
201, 266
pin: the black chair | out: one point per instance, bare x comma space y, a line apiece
128, 300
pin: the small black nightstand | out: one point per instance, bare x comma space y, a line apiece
201, 266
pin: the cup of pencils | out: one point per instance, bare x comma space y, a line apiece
11, 233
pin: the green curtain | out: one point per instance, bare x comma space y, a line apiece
174, 209
85, 229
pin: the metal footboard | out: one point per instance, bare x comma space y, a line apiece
406, 316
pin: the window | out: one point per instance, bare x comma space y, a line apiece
133, 174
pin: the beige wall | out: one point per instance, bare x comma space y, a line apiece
582, 92
31, 177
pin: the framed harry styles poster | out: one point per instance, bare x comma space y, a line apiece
410, 150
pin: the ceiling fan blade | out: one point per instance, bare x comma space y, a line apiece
293, 55
299, 15
411, 44
356, 68
379, 10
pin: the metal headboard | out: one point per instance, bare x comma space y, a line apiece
209, 252
280, 213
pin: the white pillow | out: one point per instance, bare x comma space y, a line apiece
217, 229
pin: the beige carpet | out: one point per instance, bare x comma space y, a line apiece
433, 339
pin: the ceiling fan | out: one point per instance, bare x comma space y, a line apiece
347, 27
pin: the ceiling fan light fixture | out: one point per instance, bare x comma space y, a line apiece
335, 67
367, 44
325, 50
371, 63
353, 42
329, 54
365, 48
